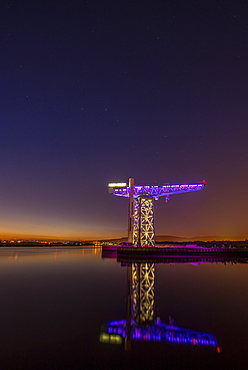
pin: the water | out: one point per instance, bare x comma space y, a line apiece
56, 301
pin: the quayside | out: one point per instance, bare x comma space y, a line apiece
177, 251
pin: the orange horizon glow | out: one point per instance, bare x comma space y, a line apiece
14, 236
67, 237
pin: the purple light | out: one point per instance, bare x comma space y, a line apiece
158, 332
158, 191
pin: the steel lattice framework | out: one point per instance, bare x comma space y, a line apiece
156, 191
141, 231
143, 222
142, 294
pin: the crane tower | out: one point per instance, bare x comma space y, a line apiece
141, 232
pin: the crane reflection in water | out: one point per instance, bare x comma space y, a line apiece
141, 323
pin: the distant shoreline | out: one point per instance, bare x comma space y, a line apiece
48, 245
241, 244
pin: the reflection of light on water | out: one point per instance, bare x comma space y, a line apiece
13, 257
110, 338
45, 253
140, 323
156, 331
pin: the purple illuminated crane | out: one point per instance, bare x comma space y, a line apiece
141, 206
141, 322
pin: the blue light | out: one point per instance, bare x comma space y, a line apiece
158, 332
155, 191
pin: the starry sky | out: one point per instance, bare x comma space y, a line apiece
99, 91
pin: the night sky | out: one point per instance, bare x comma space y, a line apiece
99, 91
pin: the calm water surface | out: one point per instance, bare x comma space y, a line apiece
56, 302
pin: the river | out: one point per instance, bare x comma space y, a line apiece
57, 306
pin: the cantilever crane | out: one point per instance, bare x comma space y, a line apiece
141, 230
